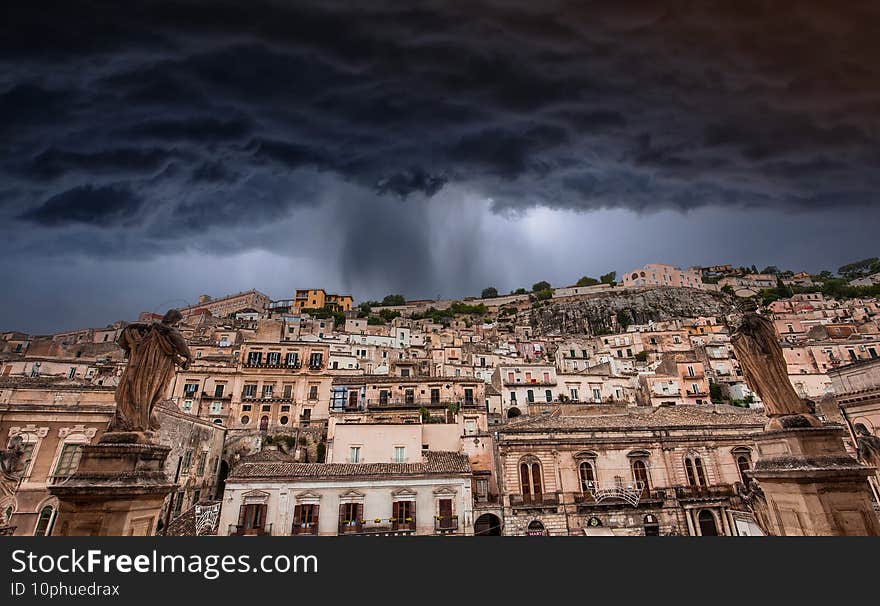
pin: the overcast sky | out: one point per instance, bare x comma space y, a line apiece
153, 151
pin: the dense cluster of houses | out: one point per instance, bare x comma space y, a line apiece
295, 421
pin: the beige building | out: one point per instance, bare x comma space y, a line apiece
267, 495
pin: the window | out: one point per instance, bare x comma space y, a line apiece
72, 373
187, 461
305, 516
530, 478
588, 476
482, 489
249, 391
254, 358
409, 396
574, 394
316, 360
513, 397
313, 392
68, 460
640, 474
187, 405
350, 513
468, 397
435, 396
218, 391
597, 395
292, 359
267, 390
245, 420
530, 395
203, 459
470, 427
696, 474
403, 512
190, 389
251, 517
548, 395
44, 522
354, 454
400, 454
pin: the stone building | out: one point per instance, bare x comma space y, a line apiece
56, 418
666, 470
267, 494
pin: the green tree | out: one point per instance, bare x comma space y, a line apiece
770, 269
587, 281
543, 294
642, 356
542, 285
489, 293
624, 319
393, 300
715, 392
728, 289
609, 278
389, 314
860, 269
519, 291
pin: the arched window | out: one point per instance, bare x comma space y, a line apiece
695, 472
588, 476
530, 478
640, 474
45, 522
743, 458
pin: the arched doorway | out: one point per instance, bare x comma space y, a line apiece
536, 529
512, 413
487, 525
708, 527
264, 423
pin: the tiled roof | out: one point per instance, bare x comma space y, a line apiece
685, 416
434, 463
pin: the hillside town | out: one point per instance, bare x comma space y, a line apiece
612, 406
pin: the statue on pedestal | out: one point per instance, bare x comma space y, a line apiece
868, 446
764, 369
153, 351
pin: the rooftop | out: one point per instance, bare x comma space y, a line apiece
434, 463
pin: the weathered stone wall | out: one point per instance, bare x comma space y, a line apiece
597, 314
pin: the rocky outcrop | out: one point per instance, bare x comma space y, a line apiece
598, 314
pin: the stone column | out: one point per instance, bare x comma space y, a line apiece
690, 523
117, 490
812, 485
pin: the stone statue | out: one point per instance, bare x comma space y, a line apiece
11, 466
153, 351
868, 446
764, 369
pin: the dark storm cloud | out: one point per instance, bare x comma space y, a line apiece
205, 127
104, 206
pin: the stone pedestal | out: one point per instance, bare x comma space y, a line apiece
118, 490
812, 485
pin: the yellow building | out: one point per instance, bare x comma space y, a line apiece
316, 298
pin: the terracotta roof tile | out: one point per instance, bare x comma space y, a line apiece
434, 463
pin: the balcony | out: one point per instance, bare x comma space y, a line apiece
305, 528
487, 500
704, 493
265, 398
445, 524
277, 366
237, 530
207, 396
418, 403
